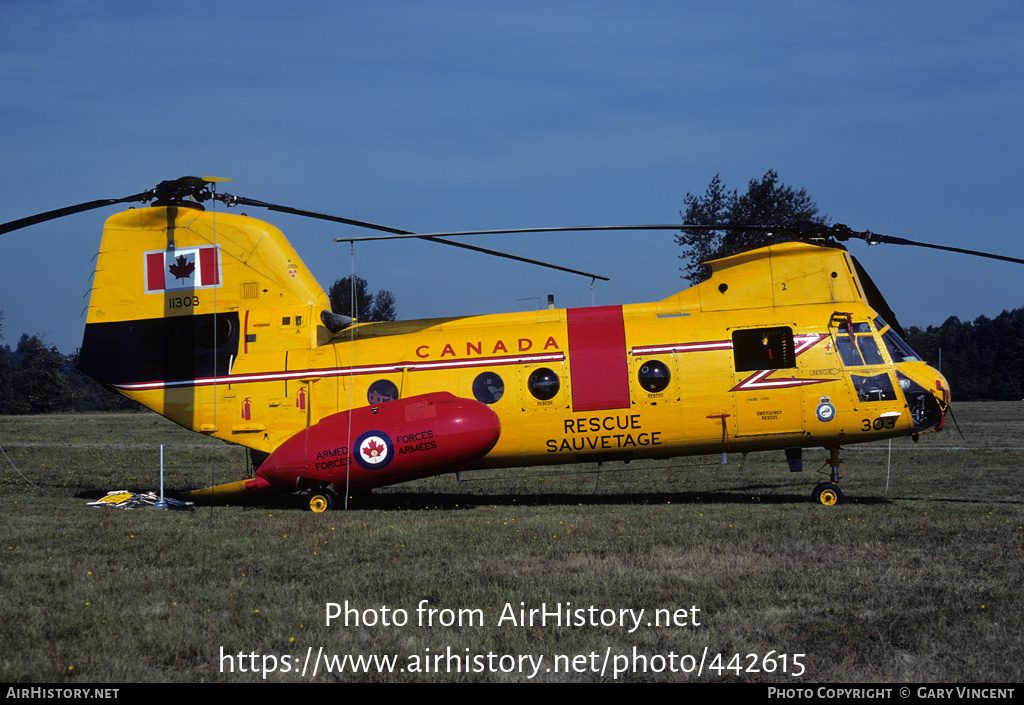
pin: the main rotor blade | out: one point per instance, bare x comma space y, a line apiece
195, 187
517, 258
70, 210
393, 232
230, 200
513, 231
872, 238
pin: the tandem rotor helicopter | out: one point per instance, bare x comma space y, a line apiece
212, 320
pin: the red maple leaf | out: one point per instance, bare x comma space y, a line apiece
372, 449
182, 268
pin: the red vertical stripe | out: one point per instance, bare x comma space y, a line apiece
155, 271
597, 358
208, 269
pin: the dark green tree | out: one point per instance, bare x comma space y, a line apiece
981, 360
36, 378
370, 307
89, 395
8, 404
38, 382
383, 306
766, 202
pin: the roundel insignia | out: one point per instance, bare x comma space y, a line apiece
373, 450
825, 411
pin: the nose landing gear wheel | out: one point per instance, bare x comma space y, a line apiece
827, 494
321, 500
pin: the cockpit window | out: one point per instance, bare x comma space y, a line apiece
847, 351
869, 349
899, 349
864, 352
874, 388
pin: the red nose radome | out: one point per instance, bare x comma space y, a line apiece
391, 442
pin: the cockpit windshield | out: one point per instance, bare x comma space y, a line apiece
898, 348
860, 349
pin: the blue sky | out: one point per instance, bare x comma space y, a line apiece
901, 118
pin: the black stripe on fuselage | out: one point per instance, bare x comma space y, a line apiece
173, 348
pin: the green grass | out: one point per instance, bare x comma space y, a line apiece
922, 583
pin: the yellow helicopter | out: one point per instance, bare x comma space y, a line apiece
212, 320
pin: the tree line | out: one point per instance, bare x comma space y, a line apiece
36, 378
982, 360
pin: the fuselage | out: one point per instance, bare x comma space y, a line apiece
213, 321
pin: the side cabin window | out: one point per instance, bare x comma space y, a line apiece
654, 376
488, 387
543, 384
763, 349
382, 391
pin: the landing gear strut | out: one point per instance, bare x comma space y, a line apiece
828, 493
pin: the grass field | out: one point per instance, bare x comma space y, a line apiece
917, 578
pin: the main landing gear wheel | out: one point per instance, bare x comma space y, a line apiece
828, 494
320, 500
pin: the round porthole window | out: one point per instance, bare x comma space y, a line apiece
381, 391
488, 387
653, 376
543, 384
